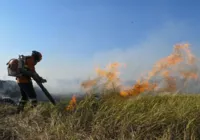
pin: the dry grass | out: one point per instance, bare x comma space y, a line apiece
111, 117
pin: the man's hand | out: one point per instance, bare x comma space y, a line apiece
43, 80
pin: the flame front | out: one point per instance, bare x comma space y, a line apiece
176, 64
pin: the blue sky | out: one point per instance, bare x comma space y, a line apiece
77, 35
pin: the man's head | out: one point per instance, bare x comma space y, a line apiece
37, 56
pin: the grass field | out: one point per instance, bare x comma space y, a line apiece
163, 117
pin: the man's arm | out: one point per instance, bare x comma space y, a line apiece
28, 73
33, 74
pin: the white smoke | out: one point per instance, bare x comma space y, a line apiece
139, 59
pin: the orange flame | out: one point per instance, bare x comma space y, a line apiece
139, 87
107, 77
72, 104
164, 67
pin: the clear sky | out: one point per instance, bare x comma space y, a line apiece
77, 35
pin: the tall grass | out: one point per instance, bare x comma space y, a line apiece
110, 117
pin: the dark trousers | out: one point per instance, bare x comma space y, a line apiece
27, 93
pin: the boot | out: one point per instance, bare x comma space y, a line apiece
33, 103
20, 108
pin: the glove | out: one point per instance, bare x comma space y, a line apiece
43, 80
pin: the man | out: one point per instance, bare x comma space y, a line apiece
25, 82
